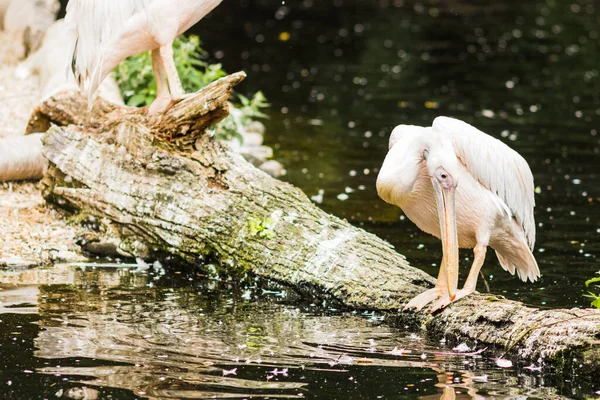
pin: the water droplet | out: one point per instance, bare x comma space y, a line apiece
488, 113
342, 197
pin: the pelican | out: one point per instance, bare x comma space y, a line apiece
468, 189
108, 31
25, 22
51, 61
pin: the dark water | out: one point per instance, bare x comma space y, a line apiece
340, 75
111, 334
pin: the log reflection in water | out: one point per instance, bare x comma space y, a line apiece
110, 328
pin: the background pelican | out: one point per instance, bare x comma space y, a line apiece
468, 189
108, 31
51, 61
24, 23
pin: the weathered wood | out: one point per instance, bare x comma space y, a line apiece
213, 202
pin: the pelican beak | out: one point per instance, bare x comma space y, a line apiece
447, 217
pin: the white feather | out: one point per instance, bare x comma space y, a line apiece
508, 176
95, 24
106, 32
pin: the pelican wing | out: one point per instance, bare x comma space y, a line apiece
508, 175
93, 24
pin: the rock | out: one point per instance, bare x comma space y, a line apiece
273, 168
21, 158
17, 263
256, 127
256, 154
66, 256
3, 7
252, 139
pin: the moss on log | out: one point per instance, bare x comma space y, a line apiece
168, 186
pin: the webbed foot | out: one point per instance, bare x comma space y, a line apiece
443, 302
426, 297
160, 105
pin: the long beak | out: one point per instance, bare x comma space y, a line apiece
447, 217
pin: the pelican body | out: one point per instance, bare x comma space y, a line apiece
469, 190
108, 31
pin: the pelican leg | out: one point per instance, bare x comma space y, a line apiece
166, 54
471, 283
163, 97
440, 290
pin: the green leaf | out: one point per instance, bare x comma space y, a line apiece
593, 280
595, 297
137, 100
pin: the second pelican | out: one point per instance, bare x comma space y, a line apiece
468, 189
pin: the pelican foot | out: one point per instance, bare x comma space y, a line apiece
177, 99
160, 105
425, 298
443, 302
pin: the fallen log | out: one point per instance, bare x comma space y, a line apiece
167, 186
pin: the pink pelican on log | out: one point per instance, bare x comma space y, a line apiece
468, 189
108, 31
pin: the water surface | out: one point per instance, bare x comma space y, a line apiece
109, 333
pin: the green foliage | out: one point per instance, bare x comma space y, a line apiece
250, 111
138, 87
262, 228
595, 297
136, 79
251, 107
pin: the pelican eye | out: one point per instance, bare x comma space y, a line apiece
444, 176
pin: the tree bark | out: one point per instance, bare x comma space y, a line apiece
138, 172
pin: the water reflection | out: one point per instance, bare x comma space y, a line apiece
109, 331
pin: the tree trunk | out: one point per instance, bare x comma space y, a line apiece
169, 187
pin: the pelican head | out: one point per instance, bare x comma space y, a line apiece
403, 163
442, 162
